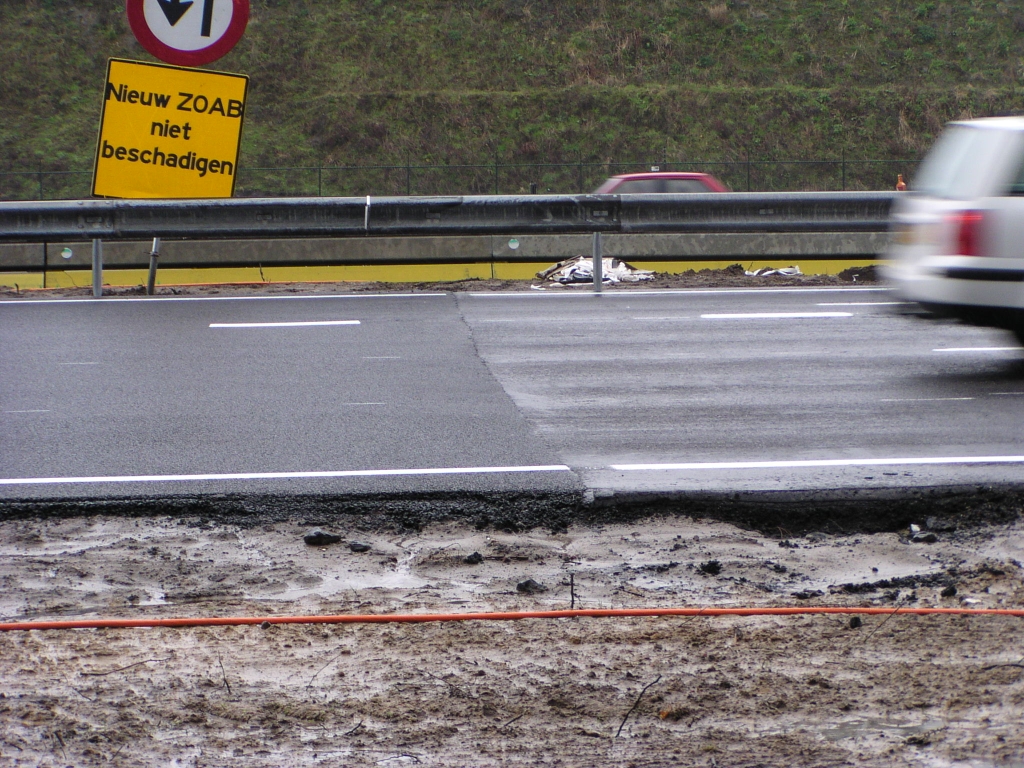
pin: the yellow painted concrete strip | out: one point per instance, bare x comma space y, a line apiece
26, 280
386, 273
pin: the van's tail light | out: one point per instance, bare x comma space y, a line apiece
967, 231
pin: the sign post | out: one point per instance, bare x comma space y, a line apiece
168, 131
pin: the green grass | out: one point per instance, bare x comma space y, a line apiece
389, 83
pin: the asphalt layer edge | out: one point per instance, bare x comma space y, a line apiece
774, 513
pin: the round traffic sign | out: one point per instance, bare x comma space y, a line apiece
188, 33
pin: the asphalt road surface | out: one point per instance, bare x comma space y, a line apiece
630, 392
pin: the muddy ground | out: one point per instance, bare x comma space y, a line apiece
757, 691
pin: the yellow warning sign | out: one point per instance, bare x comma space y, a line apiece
168, 132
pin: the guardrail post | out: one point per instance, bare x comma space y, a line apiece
153, 256
97, 268
598, 269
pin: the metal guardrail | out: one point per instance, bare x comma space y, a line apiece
69, 220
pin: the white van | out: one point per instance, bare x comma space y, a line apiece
957, 245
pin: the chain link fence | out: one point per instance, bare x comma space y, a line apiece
496, 178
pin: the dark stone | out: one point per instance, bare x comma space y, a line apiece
320, 539
855, 622
924, 538
807, 594
530, 587
358, 546
711, 567
949, 591
475, 559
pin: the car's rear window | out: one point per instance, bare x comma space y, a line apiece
685, 185
640, 187
962, 162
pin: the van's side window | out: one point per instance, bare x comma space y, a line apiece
1017, 185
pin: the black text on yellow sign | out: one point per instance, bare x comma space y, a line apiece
168, 132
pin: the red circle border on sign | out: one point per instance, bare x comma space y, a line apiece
196, 58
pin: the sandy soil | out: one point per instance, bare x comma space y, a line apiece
757, 691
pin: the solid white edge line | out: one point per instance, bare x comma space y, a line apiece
89, 301
824, 463
281, 475
657, 292
285, 325
864, 303
124, 299
772, 315
977, 349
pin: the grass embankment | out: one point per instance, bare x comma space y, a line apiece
428, 82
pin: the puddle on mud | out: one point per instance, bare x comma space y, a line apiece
854, 729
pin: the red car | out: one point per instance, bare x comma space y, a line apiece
660, 183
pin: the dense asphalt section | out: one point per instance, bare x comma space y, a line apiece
560, 394
133, 389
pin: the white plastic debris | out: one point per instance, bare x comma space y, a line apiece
581, 270
766, 271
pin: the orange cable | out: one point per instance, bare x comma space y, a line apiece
234, 621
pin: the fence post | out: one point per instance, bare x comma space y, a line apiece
320, 180
408, 177
844, 169
495, 173
748, 170
580, 180
598, 264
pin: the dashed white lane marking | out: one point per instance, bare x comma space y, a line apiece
705, 465
280, 475
1007, 394
977, 349
773, 315
921, 399
285, 325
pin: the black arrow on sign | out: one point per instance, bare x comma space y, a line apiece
174, 9
207, 18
